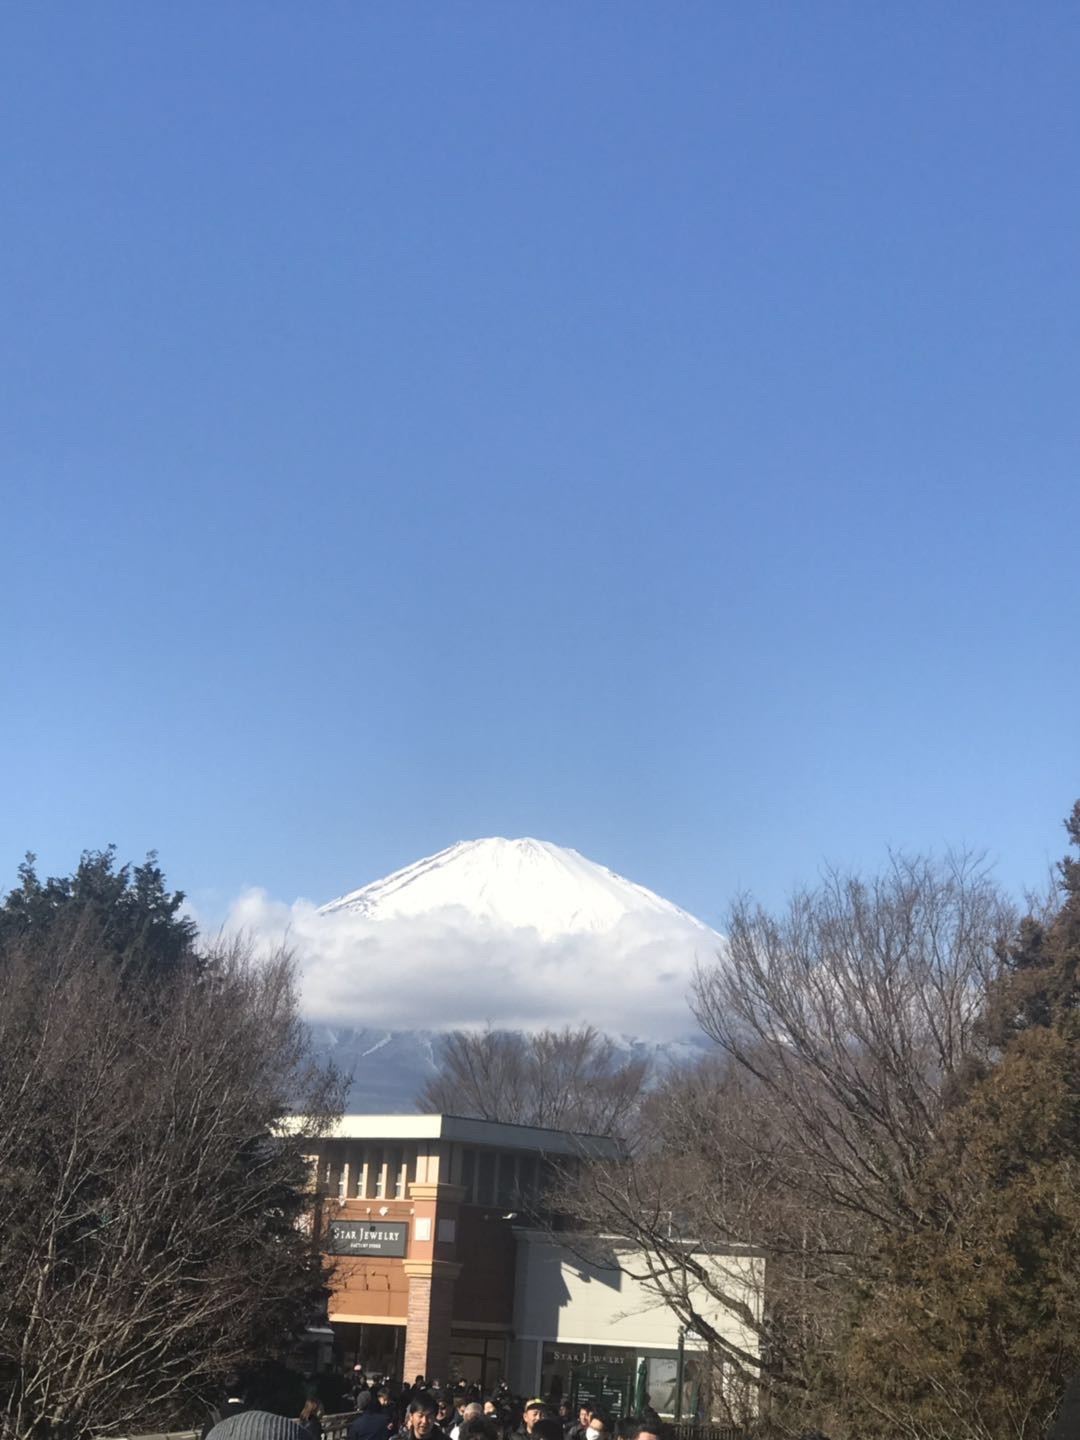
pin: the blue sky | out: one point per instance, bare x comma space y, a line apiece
650, 428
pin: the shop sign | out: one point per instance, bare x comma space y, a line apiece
361, 1237
590, 1355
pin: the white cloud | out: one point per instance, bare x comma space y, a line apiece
448, 970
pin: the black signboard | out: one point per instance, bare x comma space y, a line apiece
367, 1237
606, 1385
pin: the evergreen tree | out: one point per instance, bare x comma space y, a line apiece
155, 1200
135, 920
973, 1331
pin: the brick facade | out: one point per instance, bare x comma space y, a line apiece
454, 1186
431, 1306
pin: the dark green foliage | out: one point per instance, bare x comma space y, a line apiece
973, 1329
154, 1198
136, 921
898, 1129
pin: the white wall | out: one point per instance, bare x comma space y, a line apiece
566, 1296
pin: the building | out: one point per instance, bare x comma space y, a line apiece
442, 1271
585, 1320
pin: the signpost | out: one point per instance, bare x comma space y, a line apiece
606, 1385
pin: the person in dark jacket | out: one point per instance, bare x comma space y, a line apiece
310, 1420
576, 1431
446, 1415
372, 1422
420, 1421
534, 1411
600, 1426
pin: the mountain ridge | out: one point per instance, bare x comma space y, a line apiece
407, 1059
523, 883
515, 913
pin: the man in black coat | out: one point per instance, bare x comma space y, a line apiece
372, 1422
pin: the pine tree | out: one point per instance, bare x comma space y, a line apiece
133, 917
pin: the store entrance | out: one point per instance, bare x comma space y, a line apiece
478, 1359
378, 1349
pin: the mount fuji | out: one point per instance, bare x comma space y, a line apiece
520, 934
523, 884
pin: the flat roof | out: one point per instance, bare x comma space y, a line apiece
467, 1131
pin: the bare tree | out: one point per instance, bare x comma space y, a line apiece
150, 1198
855, 1011
842, 1025
559, 1079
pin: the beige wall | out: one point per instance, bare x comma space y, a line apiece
561, 1295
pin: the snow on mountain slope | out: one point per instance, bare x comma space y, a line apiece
521, 934
523, 884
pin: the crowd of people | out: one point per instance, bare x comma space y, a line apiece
425, 1410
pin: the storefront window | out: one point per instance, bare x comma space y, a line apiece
595, 1374
607, 1374
477, 1359
662, 1372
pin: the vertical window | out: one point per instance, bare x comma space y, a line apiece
468, 1175
507, 1181
397, 1174
408, 1171
485, 1179
526, 1191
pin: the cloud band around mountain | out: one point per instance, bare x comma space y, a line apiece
448, 970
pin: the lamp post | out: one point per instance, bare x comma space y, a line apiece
679, 1367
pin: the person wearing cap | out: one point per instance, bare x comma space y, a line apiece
535, 1410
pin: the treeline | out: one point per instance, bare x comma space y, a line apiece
891, 1115
149, 1191
569, 1079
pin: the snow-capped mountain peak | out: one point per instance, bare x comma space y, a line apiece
518, 884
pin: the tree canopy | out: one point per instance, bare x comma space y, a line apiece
892, 1116
153, 1193
570, 1079
974, 1329
135, 920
